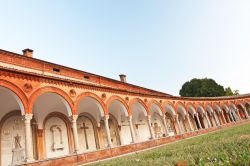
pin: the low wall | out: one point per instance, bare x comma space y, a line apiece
77, 159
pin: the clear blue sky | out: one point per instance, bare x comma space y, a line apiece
157, 44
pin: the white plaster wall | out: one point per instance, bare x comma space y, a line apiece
125, 134
49, 140
12, 127
90, 135
142, 132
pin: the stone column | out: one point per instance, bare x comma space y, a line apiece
189, 122
75, 134
230, 114
215, 119
178, 124
224, 119
28, 141
131, 127
150, 127
106, 121
208, 121
165, 124
228, 117
199, 122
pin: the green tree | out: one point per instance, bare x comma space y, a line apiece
205, 88
229, 92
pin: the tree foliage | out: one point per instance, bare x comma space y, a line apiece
205, 88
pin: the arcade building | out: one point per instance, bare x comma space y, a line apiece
55, 115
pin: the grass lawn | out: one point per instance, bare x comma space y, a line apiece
229, 146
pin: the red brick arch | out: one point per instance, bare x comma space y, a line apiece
134, 100
50, 89
201, 105
113, 98
168, 103
92, 95
190, 104
180, 103
15, 89
153, 101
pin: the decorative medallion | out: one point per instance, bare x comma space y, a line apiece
104, 96
27, 88
127, 99
72, 93
160, 101
145, 100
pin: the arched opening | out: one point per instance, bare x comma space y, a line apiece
170, 119
120, 114
233, 111
93, 110
52, 113
156, 120
87, 133
210, 113
139, 118
192, 112
217, 111
202, 117
181, 111
241, 111
247, 105
12, 139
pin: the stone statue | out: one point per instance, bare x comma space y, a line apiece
18, 151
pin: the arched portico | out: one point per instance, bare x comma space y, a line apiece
91, 123
52, 113
13, 126
192, 114
181, 117
210, 114
119, 110
157, 120
140, 120
170, 117
242, 110
202, 116
216, 114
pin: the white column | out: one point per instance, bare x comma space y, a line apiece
230, 114
198, 119
208, 121
189, 122
28, 141
178, 124
150, 127
165, 124
131, 127
75, 134
215, 119
106, 121
223, 116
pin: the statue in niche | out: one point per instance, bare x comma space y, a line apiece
57, 139
157, 130
17, 151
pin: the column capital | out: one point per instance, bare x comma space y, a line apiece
130, 117
73, 118
106, 117
27, 117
